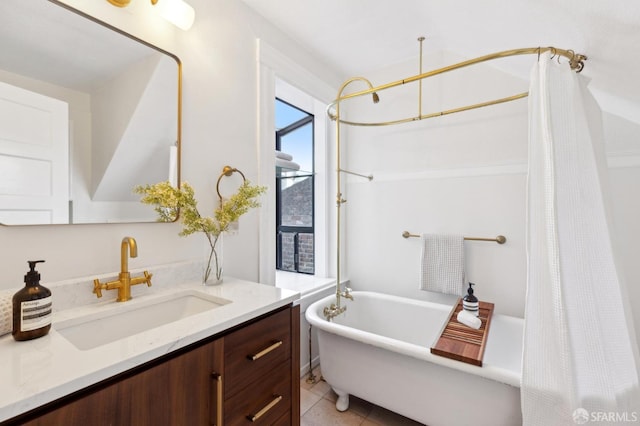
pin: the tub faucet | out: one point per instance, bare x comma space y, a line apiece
335, 309
129, 247
347, 293
330, 312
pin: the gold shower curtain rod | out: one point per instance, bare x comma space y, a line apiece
576, 62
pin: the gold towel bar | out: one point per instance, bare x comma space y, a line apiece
500, 239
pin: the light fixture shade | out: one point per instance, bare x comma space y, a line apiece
177, 12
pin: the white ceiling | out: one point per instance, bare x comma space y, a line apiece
356, 36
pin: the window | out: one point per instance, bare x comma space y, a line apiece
294, 189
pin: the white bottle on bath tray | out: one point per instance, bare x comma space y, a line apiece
470, 302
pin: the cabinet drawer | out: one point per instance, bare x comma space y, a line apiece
284, 420
256, 350
264, 402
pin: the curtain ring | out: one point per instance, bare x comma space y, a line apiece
227, 171
538, 53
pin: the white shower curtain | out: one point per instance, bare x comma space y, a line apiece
580, 361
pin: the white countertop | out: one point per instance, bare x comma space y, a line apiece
35, 372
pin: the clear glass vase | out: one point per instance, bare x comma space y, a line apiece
212, 272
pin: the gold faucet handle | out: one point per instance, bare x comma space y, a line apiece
147, 277
97, 287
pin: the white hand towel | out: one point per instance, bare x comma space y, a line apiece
442, 263
286, 164
284, 155
468, 319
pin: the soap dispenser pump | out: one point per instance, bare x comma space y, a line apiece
31, 307
470, 302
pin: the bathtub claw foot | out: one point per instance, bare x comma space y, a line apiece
342, 404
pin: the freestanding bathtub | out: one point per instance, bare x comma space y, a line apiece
379, 350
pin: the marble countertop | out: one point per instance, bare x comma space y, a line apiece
39, 371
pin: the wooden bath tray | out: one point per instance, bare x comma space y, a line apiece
462, 343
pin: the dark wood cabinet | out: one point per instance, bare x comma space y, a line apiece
261, 385
180, 391
249, 375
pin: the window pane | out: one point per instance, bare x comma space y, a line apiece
296, 201
299, 144
292, 246
287, 250
287, 114
305, 253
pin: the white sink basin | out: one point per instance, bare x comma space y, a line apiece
126, 319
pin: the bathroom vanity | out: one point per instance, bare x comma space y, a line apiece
230, 365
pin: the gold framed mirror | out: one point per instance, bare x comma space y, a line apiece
87, 112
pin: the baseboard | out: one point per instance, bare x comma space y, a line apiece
304, 369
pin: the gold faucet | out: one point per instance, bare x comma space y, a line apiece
124, 281
334, 310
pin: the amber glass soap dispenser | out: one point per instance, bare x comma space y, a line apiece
470, 302
31, 307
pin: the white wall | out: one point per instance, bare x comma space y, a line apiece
219, 128
463, 173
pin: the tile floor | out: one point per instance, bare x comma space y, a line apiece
318, 408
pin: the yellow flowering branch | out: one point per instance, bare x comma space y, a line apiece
169, 200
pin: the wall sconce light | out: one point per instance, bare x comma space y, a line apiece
178, 12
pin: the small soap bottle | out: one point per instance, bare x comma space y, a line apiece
31, 307
470, 302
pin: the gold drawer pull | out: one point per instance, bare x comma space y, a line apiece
265, 351
268, 407
218, 378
